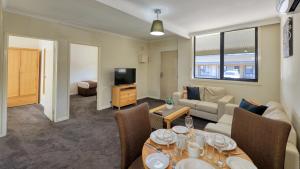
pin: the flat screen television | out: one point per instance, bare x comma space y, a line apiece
124, 76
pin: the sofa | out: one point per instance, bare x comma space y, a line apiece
274, 111
211, 104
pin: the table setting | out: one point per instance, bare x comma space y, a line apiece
184, 147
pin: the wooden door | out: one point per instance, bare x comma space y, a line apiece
169, 74
27, 89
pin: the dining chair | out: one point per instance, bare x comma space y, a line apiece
264, 140
135, 129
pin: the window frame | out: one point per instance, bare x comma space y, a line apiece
222, 56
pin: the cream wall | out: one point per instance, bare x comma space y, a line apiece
83, 65
116, 51
21, 42
154, 65
267, 89
290, 77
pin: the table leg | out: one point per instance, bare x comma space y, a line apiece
168, 125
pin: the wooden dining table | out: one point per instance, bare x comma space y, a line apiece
151, 147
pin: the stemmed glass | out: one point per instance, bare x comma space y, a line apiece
180, 144
189, 122
220, 144
168, 137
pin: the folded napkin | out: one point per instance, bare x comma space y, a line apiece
239, 163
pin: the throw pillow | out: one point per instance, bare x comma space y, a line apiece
193, 93
257, 109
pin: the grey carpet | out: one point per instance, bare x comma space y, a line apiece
89, 140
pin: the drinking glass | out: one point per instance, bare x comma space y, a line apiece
220, 144
200, 140
168, 137
189, 122
180, 144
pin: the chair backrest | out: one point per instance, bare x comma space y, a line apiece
135, 129
264, 140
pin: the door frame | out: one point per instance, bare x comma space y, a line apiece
3, 105
99, 72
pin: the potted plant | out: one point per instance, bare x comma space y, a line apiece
169, 103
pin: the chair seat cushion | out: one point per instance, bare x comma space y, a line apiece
137, 164
207, 107
226, 119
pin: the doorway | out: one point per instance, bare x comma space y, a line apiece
30, 78
169, 74
84, 75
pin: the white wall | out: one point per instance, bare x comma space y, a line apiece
116, 51
290, 77
269, 66
84, 65
22, 42
46, 99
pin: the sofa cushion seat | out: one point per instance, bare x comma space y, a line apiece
226, 119
189, 103
219, 128
207, 107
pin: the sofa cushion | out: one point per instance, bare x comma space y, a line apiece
256, 109
272, 105
201, 89
219, 128
226, 119
193, 93
189, 103
207, 107
279, 114
213, 94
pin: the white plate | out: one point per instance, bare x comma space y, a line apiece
157, 161
239, 163
231, 143
191, 163
157, 137
180, 129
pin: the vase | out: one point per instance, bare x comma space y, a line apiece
170, 106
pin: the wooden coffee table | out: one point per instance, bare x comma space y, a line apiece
174, 115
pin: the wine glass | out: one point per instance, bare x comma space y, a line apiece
220, 144
189, 122
168, 137
180, 144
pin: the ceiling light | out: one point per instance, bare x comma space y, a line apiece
157, 28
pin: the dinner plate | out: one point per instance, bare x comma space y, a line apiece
191, 163
157, 161
157, 137
239, 163
231, 144
180, 129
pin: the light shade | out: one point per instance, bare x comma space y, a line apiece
157, 28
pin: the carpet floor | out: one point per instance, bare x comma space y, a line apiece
89, 140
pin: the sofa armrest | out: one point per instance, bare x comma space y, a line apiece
177, 96
222, 103
291, 156
229, 108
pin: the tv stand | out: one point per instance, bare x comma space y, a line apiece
124, 95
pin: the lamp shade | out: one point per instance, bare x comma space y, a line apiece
157, 28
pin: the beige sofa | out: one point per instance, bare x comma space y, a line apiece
212, 104
275, 111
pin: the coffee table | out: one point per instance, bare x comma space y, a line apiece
173, 114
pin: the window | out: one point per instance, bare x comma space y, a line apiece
207, 57
227, 55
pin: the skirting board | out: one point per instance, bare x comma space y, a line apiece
61, 119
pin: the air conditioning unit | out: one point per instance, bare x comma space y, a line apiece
287, 6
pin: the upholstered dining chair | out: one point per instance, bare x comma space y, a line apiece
135, 129
264, 140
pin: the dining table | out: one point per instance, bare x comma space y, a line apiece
152, 147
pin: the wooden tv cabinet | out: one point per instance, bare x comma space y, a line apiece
124, 95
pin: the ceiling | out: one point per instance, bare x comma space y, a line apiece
133, 17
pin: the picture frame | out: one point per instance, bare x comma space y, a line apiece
288, 50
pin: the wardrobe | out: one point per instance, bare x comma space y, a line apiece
23, 76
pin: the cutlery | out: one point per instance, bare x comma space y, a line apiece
158, 149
